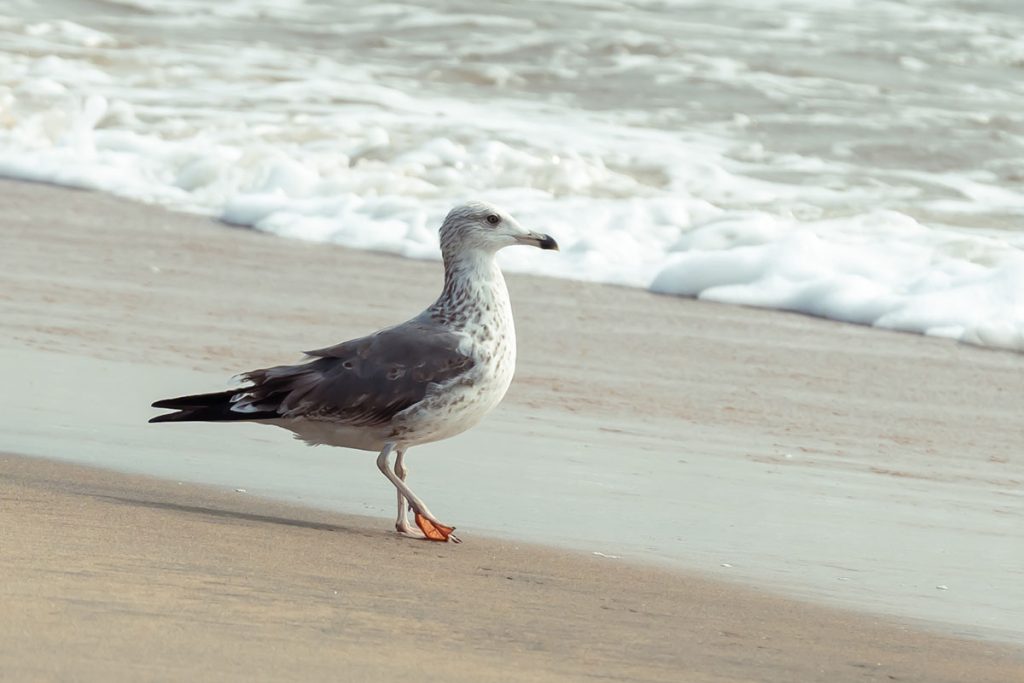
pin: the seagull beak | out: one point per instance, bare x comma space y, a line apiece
538, 239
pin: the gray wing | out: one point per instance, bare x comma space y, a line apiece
362, 382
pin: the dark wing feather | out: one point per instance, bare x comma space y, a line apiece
362, 382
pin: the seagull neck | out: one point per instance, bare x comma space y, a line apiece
471, 274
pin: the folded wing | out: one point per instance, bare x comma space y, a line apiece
362, 382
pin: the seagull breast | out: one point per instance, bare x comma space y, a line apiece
475, 304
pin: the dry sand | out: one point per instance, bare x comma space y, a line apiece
113, 574
115, 577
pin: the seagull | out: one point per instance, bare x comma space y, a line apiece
429, 378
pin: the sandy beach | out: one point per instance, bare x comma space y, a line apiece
779, 467
114, 577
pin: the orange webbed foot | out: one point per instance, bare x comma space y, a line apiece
436, 532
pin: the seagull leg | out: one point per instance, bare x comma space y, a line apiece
402, 524
425, 520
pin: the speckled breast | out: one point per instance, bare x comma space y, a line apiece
452, 408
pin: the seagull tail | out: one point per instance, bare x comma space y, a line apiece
215, 407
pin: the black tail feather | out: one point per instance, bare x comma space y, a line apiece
196, 400
215, 407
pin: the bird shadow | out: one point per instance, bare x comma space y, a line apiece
235, 514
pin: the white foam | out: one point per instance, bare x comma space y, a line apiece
912, 279
774, 198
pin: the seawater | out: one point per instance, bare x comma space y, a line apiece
857, 160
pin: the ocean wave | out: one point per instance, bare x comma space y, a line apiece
682, 154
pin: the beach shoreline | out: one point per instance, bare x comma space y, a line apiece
828, 462
125, 576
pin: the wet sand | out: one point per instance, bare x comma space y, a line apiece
838, 464
116, 577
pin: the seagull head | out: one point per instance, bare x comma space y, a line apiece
484, 227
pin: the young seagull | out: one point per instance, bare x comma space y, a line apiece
426, 379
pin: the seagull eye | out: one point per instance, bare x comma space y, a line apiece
494, 219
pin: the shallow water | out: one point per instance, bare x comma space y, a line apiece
855, 160
929, 544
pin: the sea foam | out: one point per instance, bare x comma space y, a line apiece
677, 151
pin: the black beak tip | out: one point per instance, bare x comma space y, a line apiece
548, 242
